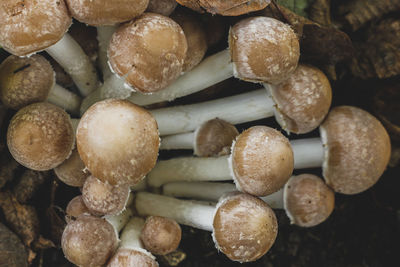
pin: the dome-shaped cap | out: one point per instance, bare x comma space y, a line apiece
132, 258
245, 227
357, 149
40, 136
233, 7
148, 51
303, 100
263, 50
30, 26
24, 81
106, 12
75, 208
308, 200
262, 161
72, 170
118, 141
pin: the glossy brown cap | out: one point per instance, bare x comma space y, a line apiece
303, 100
89, 241
104, 199
357, 149
263, 50
40, 136
29, 26
163, 7
24, 81
308, 200
214, 138
161, 235
72, 170
132, 258
106, 12
148, 51
118, 141
245, 227
233, 7
75, 208
262, 161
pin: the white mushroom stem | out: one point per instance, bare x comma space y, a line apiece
308, 153
104, 34
75, 123
76, 63
236, 109
130, 236
178, 141
182, 211
65, 99
213, 191
120, 220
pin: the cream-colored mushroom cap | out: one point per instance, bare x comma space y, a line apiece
106, 12
263, 50
357, 149
72, 170
233, 7
262, 161
40, 136
118, 141
24, 81
308, 200
303, 100
29, 26
148, 51
89, 241
245, 227
132, 258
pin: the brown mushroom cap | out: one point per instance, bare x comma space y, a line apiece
106, 12
308, 200
163, 7
303, 100
245, 227
192, 4
71, 171
89, 241
357, 149
118, 141
263, 50
262, 161
30, 26
148, 51
161, 235
214, 138
104, 199
24, 81
233, 7
40, 136
130, 257
75, 208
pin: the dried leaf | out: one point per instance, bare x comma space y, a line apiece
12, 251
28, 184
43, 243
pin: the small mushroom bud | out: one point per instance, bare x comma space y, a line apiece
72, 170
75, 208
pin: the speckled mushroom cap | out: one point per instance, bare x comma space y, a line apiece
89, 241
308, 201
233, 7
261, 160
303, 100
106, 12
160, 235
24, 81
30, 26
148, 51
245, 227
357, 149
71, 171
263, 49
214, 138
104, 199
118, 141
75, 208
40, 136
132, 257
163, 7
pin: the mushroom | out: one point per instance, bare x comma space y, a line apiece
29, 26
163, 7
131, 251
75, 208
260, 163
40, 136
90, 240
307, 200
24, 81
122, 156
212, 138
160, 235
300, 104
72, 170
244, 227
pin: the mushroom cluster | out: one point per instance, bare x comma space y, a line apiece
112, 151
